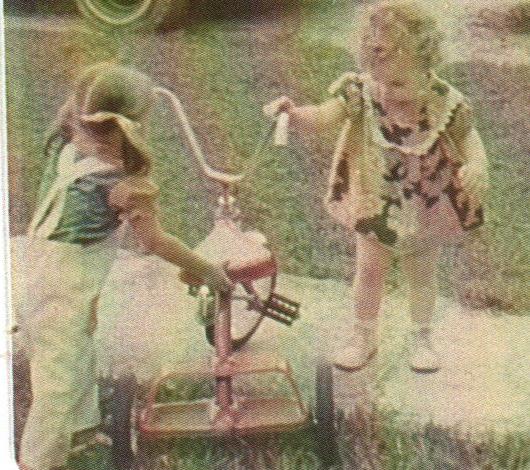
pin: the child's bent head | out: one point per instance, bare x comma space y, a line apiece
399, 36
114, 89
112, 102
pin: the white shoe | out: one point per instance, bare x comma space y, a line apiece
422, 356
363, 348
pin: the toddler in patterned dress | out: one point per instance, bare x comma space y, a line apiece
408, 174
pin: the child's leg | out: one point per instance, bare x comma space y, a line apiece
421, 271
373, 261
86, 412
58, 335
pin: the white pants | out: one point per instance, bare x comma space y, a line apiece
63, 282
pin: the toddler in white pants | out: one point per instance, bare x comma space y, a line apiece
99, 178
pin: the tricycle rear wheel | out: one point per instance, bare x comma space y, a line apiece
121, 409
324, 416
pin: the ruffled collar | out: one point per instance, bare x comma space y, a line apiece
442, 103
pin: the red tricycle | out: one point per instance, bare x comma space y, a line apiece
231, 319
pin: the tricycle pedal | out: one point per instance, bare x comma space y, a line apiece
282, 309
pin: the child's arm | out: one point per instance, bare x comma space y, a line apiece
64, 115
345, 103
474, 172
60, 125
311, 118
136, 202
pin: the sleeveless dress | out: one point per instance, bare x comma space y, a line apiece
421, 199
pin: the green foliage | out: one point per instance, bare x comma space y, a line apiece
17, 7
493, 268
368, 440
377, 439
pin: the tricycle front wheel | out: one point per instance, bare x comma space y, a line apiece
245, 320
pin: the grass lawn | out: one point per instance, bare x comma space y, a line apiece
146, 324
224, 72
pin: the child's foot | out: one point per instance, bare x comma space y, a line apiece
88, 439
422, 356
363, 348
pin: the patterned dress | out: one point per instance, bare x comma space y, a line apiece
423, 201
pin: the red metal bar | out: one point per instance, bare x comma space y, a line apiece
223, 349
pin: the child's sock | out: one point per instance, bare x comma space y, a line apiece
422, 355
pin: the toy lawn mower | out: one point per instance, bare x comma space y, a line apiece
231, 320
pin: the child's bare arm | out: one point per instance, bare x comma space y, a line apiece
151, 234
321, 117
346, 102
474, 172
60, 123
140, 211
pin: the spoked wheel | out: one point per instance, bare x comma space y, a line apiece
324, 416
131, 14
245, 320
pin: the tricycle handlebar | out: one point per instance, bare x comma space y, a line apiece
212, 173
281, 136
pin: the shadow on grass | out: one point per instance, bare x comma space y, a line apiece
367, 442
31, 7
240, 9
236, 11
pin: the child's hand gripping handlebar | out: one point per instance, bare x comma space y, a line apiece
217, 278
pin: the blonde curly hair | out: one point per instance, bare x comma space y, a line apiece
408, 17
